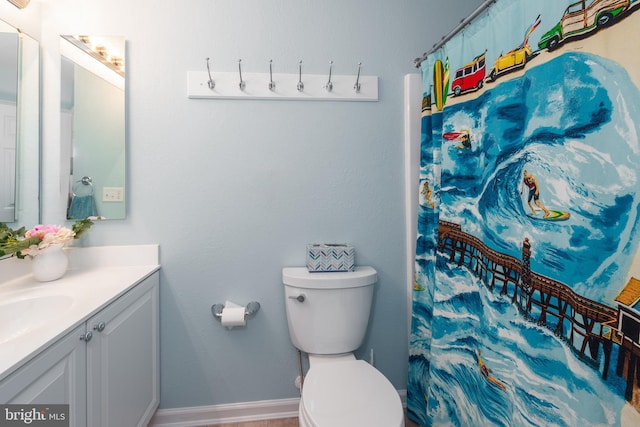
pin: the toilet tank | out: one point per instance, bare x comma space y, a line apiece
328, 313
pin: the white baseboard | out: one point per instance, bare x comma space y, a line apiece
229, 413
232, 413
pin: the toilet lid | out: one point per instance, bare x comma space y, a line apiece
350, 393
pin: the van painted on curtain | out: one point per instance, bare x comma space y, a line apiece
525, 305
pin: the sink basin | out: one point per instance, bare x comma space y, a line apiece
23, 315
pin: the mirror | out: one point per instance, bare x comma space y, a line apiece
19, 128
8, 122
93, 124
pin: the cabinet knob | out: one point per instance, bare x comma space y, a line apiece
86, 337
99, 326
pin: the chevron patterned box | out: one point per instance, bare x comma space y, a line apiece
330, 257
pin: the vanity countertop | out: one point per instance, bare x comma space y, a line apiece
34, 314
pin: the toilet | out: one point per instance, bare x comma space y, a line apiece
328, 315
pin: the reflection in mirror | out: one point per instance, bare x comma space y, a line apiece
19, 128
93, 124
8, 116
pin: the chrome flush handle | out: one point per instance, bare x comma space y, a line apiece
300, 297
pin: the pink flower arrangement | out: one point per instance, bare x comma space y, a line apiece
49, 235
22, 243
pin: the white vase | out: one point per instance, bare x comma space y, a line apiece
50, 264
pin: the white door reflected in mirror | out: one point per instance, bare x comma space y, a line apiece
19, 127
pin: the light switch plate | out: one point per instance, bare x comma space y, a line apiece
112, 194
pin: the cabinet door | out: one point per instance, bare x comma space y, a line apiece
122, 359
55, 376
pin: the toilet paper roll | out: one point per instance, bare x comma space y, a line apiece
233, 316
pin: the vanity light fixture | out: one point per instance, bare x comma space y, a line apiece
99, 49
20, 4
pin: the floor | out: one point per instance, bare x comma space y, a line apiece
288, 422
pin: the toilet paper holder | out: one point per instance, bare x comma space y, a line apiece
249, 310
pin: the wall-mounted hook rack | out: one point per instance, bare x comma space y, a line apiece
282, 86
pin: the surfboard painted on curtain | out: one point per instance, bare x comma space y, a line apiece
524, 305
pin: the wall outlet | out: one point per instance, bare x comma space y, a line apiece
112, 194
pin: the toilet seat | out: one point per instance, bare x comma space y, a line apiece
349, 393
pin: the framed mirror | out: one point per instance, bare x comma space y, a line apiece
8, 122
19, 128
93, 124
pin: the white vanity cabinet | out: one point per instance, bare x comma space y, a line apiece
123, 360
55, 376
106, 369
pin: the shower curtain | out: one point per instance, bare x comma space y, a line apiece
525, 302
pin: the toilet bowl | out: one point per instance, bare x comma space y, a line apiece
328, 314
348, 393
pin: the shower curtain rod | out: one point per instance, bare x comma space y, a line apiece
466, 21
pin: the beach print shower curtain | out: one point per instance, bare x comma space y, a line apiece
525, 302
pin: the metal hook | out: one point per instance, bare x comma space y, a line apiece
211, 83
242, 84
300, 84
272, 85
329, 85
357, 85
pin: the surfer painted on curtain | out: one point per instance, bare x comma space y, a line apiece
426, 192
486, 372
531, 182
463, 138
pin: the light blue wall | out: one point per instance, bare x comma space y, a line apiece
233, 190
